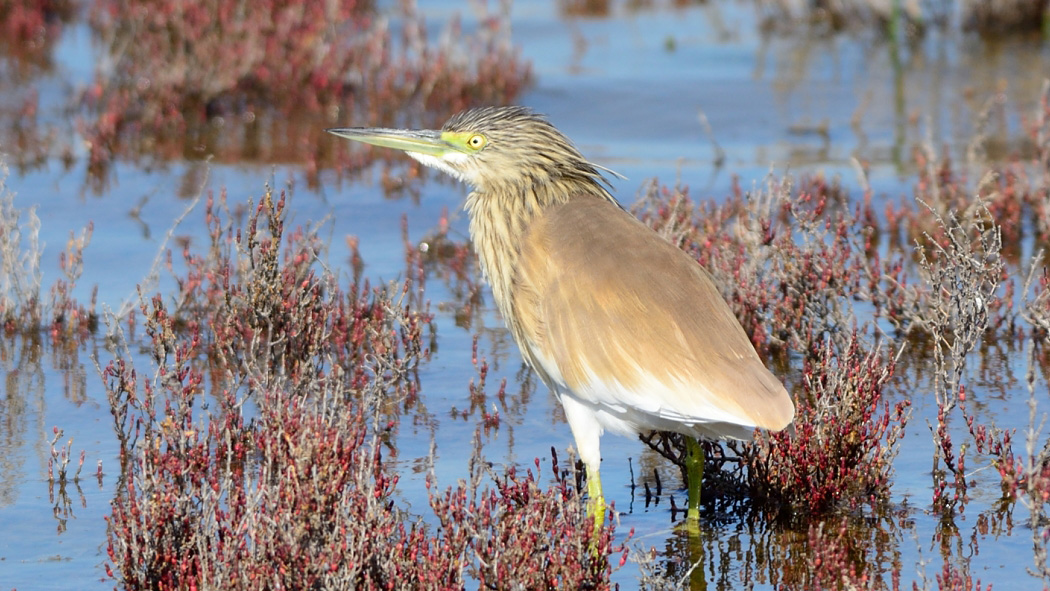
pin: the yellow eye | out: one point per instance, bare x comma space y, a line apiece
477, 141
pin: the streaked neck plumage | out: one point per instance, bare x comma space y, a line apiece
500, 216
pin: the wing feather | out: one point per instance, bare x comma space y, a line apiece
623, 320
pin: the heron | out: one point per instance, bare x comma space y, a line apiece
629, 332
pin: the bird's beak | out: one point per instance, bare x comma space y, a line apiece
410, 140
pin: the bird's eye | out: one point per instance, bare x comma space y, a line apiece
476, 142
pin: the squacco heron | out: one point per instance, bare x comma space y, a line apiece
629, 331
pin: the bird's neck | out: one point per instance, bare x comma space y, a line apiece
500, 218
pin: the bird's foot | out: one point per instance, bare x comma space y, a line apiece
692, 514
596, 501
690, 526
596, 511
596, 506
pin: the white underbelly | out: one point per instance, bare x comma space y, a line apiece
630, 422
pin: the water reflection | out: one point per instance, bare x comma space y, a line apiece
30, 33
212, 84
907, 94
855, 552
881, 99
20, 361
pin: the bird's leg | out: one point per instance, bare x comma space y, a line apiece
596, 501
586, 431
694, 469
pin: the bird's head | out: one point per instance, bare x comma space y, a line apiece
489, 147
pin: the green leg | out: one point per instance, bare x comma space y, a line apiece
694, 468
596, 502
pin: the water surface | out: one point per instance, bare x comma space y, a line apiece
629, 87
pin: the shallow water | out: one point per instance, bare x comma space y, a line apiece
628, 88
